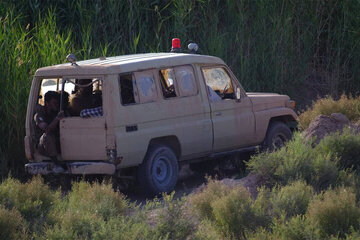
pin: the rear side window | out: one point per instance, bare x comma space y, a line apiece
178, 81
146, 86
138, 87
186, 80
128, 90
167, 78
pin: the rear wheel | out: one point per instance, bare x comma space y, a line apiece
159, 171
276, 136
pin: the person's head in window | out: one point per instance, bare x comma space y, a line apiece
52, 102
85, 91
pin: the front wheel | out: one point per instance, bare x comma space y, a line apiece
159, 171
278, 133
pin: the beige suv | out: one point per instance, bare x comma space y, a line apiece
159, 110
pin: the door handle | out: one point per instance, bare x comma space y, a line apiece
218, 114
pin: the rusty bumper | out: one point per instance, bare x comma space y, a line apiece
74, 168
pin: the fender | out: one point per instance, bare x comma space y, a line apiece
263, 118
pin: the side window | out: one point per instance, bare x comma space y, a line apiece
186, 80
218, 83
146, 86
128, 90
167, 79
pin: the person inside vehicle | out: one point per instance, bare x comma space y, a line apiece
47, 119
84, 98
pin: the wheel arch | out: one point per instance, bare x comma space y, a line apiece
289, 120
171, 141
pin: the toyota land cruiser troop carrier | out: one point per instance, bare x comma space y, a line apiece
159, 110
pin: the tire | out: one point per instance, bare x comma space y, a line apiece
159, 171
278, 133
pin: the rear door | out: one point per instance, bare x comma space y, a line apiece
84, 138
233, 120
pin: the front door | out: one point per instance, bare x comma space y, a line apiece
233, 120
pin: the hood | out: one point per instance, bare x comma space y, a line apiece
262, 101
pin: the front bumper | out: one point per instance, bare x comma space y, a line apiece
73, 168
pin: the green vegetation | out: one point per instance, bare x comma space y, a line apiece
349, 106
303, 49
308, 192
303, 196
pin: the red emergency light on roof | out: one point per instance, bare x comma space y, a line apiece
176, 45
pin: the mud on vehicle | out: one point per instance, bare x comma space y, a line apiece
159, 111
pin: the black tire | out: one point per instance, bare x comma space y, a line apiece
278, 133
159, 171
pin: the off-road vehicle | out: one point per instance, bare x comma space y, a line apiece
160, 110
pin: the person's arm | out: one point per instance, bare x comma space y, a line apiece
48, 128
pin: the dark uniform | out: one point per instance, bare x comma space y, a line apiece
48, 144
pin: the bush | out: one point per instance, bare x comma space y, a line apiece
334, 212
345, 146
291, 200
234, 214
173, 220
296, 228
291, 162
297, 160
11, 225
98, 198
33, 199
201, 202
206, 230
349, 106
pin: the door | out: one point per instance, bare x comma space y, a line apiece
83, 138
83, 131
233, 119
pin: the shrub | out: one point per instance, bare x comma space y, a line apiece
73, 225
201, 202
11, 225
349, 106
324, 171
234, 214
98, 198
292, 199
33, 199
291, 162
345, 146
334, 212
296, 228
207, 231
82, 225
297, 160
173, 221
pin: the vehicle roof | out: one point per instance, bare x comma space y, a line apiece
126, 63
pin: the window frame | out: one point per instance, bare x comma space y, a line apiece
134, 85
176, 84
137, 97
235, 84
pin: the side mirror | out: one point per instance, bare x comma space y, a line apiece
238, 94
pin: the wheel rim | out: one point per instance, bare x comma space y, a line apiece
161, 170
278, 141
